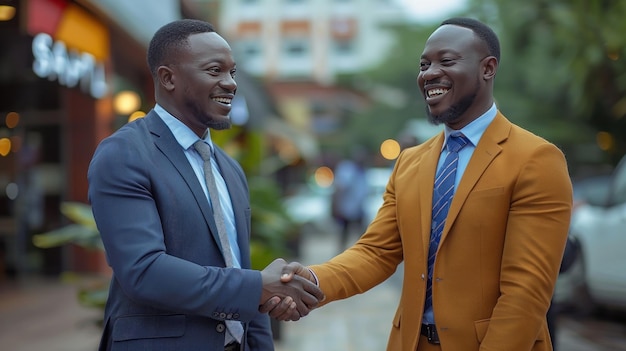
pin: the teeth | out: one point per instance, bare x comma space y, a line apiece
436, 92
223, 100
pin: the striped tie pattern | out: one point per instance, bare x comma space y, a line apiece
442, 197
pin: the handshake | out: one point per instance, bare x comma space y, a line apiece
289, 291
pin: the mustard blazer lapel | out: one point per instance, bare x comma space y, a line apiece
487, 149
426, 183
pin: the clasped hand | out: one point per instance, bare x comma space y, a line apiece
289, 291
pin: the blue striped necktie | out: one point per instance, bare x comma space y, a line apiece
442, 197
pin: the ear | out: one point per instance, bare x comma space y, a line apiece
490, 67
166, 77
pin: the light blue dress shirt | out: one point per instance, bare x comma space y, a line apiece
186, 138
473, 131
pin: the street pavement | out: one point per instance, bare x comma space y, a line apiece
43, 314
363, 322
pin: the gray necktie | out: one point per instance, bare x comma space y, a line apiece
234, 327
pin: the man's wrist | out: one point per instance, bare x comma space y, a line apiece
315, 280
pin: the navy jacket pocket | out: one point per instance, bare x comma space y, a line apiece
148, 327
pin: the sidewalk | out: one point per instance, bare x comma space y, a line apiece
43, 314
360, 323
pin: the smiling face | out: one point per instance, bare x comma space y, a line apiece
456, 76
200, 83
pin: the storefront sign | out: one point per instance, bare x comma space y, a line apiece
69, 68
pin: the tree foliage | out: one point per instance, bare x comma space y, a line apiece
563, 66
562, 75
392, 88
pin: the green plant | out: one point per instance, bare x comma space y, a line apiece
82, 232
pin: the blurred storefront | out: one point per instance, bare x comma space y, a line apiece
71, 73
64, 67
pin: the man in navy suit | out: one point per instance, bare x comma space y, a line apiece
171, 288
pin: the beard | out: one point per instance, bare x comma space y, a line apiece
218, 125
455, 111
206, 119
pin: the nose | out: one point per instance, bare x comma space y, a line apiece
229, 83
430, 73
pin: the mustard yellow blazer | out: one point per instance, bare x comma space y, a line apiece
500, 250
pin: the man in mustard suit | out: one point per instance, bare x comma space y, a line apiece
493, 270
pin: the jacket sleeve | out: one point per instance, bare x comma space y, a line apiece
537, 227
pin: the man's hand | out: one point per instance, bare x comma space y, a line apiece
285, 309
285, 296
298, 269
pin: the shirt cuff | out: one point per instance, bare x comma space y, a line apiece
317, 282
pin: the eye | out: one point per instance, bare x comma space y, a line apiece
424, 65
214, 70
233, 73
447, 62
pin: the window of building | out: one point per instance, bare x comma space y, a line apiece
250, 49
343, 47
295, 47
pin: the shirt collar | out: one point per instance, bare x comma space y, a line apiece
475, 129
183, 134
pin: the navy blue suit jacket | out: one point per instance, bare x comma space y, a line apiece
169, 290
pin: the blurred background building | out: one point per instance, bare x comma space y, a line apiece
72, 72
315, 78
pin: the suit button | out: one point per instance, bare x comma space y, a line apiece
220, 328
216, 314
236, 315
222, 315
229, 316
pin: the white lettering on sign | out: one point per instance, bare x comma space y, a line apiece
70, 68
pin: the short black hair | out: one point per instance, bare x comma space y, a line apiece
483, 31
173, 36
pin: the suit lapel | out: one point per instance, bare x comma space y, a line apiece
169, 146
487, 149
426, 183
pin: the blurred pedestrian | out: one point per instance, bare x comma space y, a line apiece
479, 266
349, 194
176, 239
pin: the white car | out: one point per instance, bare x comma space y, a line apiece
598, 276
309, 206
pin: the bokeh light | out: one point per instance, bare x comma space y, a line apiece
12, 190
136, 115
5, 146
324, 176
12, 119
390, 149
7, 12
126, 102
